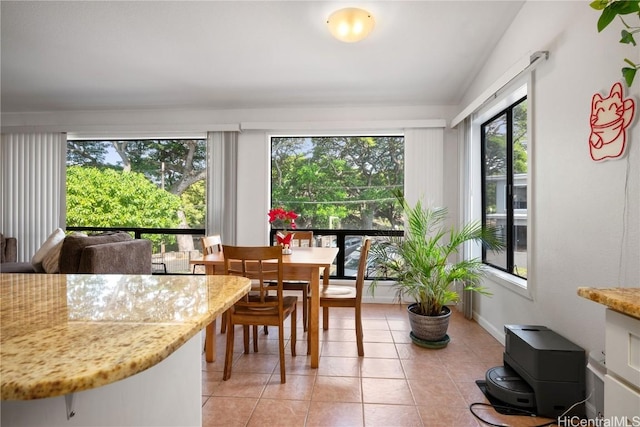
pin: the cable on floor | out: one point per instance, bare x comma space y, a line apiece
522, 412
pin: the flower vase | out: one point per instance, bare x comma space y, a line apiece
284, 240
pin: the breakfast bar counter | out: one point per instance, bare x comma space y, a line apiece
64, 334
623, 300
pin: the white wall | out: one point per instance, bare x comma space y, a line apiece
585, 229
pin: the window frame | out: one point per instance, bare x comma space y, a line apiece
471, 174
509, 193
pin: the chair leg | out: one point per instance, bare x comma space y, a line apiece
359, 334
245, 332
210, 342
228, 355
283, 378
305, 307
293, 330
223, 323
325, 318
255, 338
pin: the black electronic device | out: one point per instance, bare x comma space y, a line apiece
506, 385
542, 371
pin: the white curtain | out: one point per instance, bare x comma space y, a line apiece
33, 188
222, 153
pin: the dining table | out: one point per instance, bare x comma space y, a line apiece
303, 264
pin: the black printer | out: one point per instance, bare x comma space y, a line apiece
543, 372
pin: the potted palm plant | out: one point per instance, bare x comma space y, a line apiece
422, 265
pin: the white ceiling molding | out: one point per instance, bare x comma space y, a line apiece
346, 126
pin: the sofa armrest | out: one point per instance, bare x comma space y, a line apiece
11, 249
128, 257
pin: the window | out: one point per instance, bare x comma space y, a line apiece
340, 183
146, 184
504, 154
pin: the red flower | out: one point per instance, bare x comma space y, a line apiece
281, 218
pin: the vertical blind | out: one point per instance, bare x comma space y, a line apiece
222, 155
33, 188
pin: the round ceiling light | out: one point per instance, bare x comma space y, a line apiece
350, 24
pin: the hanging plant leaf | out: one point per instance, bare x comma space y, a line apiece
627, 38
629, 74
608, 15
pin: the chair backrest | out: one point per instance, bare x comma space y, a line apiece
302, 239
362, 268
261, 264
210, 244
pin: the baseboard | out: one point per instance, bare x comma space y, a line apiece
487, 326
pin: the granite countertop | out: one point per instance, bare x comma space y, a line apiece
624, 300
66, 333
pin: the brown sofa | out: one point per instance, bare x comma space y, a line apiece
8, 249
108, 253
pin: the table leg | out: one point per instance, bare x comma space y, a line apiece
314, 317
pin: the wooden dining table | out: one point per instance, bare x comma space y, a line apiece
302, 264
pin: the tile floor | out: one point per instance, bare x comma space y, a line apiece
396, 383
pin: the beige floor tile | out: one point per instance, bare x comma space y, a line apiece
337, 389
391, 415
340, 366
335, 414
447, 416
297, 387
242, 385
272, 412
380, 350
381, 368
386, 390
377, 336
338, 349
227, 411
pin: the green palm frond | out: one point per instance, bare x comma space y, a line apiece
421, 263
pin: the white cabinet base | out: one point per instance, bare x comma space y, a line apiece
168, 394
622, 401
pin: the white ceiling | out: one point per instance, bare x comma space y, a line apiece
87, 55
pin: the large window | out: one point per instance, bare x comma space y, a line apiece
344, 182
150, 183
340, 183
504, 156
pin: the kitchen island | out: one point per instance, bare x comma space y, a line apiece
622, 350
106, 349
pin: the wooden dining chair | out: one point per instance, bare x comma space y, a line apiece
210, 244
342, 296
260, 264
300, 239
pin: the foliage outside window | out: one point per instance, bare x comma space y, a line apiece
504, 153
340, 182
138, 183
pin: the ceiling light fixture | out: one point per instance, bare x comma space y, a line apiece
350, 24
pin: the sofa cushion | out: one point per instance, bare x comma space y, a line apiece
16, 267
54, 239
73, 246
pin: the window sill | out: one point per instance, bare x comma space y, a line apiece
513, 283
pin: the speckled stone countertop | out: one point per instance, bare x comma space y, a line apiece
624, 300
68, 333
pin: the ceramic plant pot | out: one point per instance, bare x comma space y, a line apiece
429, 328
